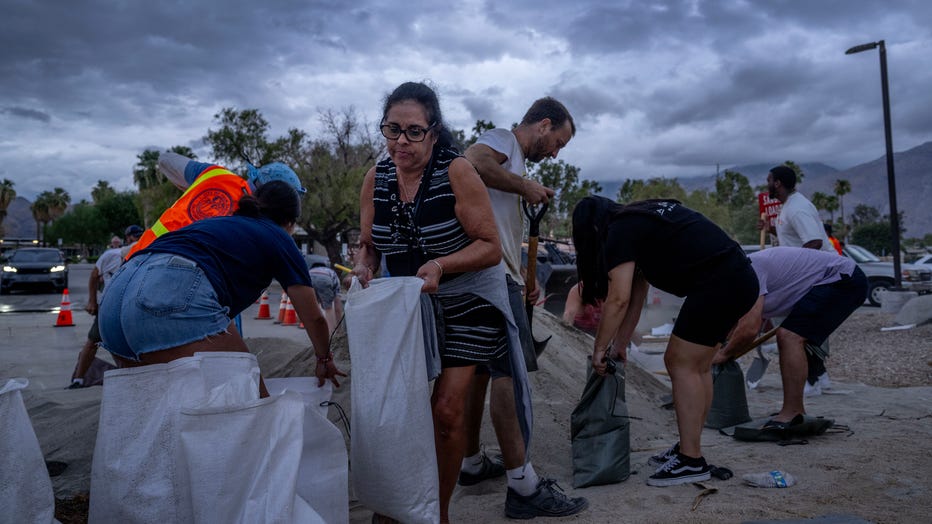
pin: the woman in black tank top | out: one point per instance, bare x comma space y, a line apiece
428, 212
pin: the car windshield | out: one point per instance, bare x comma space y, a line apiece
859, 254
35, 256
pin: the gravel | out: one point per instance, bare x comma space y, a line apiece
861, 352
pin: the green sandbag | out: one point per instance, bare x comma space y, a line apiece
729, 402
600, 432
803, 426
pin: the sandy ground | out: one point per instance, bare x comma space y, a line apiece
877, 470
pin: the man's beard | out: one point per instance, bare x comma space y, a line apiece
537, 152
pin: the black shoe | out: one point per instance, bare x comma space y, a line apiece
660, 459
782, 427
680, 470
490, 469
548, 501
76, 385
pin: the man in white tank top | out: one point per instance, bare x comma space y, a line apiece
499, 156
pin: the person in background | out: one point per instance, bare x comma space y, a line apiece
831, 238
177, 297
327, 289
499, 156
108, 263
816, 291
623, 248
580, 315
799, 225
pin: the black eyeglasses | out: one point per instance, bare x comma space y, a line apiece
413, 133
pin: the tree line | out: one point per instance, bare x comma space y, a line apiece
332, 166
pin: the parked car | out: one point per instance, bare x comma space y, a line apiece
34, 267
880, 274
924, 261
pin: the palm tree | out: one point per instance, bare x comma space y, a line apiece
842, 188
7, 195
40, 212
58, 203
146, 175
102, 191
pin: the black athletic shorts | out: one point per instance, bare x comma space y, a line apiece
713, 306
825, 307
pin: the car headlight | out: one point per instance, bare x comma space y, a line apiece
9, 269
911, 276
57, 269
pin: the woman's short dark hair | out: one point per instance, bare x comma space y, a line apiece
591, 218
424, 95
275, 200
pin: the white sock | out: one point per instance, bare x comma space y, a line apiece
472, 464
523, 480
77, 381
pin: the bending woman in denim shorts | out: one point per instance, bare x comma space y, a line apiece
176, 297
620, 249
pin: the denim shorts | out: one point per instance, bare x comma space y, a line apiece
159, 301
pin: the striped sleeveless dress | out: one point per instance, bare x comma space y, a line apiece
411, 233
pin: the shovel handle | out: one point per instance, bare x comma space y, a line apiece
530, 281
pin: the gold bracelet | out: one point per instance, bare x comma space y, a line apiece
434, 260
324, 360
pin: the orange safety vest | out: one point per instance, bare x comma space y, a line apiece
215, 193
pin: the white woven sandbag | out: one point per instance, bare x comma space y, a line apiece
138, 474
323, 474
25, 488
394, 465
242, 459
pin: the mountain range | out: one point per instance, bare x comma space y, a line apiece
913, 171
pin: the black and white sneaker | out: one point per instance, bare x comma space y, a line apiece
660, 459
680, 470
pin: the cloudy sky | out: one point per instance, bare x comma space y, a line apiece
662, 88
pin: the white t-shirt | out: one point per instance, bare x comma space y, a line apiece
109, 261
799, 222
509, 216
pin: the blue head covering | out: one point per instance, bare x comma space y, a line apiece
274, 171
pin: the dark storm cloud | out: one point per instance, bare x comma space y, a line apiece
674, 84
27, 113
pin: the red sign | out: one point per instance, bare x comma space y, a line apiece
770, 206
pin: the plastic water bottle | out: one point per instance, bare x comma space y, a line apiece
769, 479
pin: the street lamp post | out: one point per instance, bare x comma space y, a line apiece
888, 135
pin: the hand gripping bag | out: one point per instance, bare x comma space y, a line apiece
394, 465
600, 431
25, 488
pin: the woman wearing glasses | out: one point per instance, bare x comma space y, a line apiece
428, 212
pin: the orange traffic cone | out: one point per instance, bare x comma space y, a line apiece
64, 314
264, 312
291, 318
282, 306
